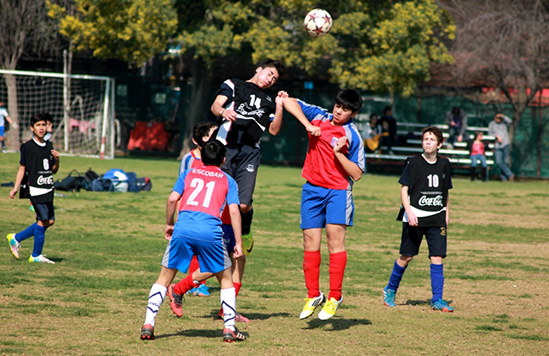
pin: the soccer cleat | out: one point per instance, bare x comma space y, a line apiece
147, 332
389, 297
238, 317
442, 306
230, 336
40, 259
329, 308
311, 305
14, 245
175, 301
248, 242
202, 291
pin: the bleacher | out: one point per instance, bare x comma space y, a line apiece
409, 135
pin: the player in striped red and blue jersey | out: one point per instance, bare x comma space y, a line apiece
335, 158
202, 193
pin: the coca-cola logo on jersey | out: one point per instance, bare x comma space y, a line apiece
427, 201
44, 180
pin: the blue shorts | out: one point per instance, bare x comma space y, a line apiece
44, 211
321, 206
212, 254
2, 130
228, 237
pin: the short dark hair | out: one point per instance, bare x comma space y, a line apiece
387, 108
276, 64
47, 116
435, 131
456, 110
200, 130
349, 98
38, 117
213, 153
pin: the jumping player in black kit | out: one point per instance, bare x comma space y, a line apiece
425, 184
245, 112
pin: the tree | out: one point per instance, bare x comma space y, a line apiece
24, 27
129, 30
504, 45
373, 45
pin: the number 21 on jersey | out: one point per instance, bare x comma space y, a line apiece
198, 185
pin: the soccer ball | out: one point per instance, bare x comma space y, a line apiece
318, 23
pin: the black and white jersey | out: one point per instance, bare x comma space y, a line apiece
38, 161
428, 185
254, 113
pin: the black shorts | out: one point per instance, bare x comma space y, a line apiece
242, 163
44, 211
413, 235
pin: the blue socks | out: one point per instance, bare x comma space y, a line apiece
396, 276
25, 234
39, 237
437, 281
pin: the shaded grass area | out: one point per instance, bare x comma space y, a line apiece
108, 249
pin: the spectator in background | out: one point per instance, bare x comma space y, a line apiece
456, 119
499, 128
389, 126
477, 149
372, 129
4, 116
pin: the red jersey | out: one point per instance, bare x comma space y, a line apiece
321, 167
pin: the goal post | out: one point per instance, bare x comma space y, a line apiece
82, 107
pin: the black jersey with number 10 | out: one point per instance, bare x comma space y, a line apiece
428, 185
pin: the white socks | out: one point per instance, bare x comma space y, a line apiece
228, 303
156, 297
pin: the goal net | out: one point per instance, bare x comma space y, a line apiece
82, 107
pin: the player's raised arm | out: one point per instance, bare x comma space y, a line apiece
292, 106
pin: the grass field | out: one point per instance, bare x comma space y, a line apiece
108, 248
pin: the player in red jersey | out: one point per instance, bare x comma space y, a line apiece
335, 158
203, 193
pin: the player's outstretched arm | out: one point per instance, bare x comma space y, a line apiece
236, 222
276, 124
292, 106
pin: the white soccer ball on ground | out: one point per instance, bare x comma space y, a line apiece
318, 22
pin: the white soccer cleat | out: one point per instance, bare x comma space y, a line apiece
330, 308
310, 306
40, 259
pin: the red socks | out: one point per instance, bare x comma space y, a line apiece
338, 261
186, 284
311, 269
237, 287
194, 265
